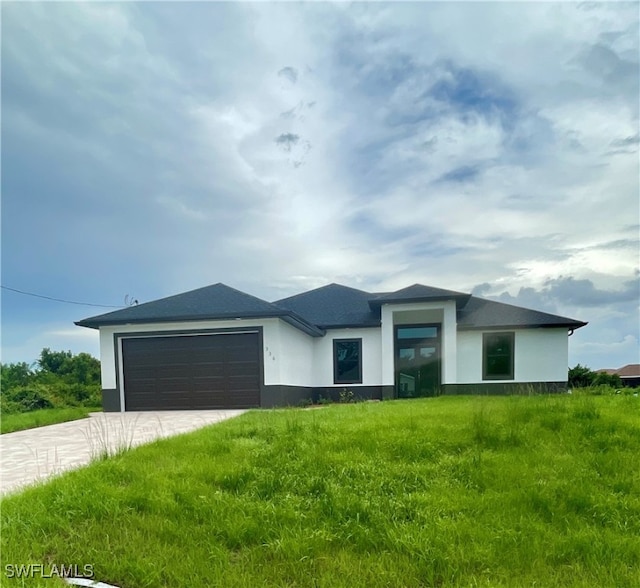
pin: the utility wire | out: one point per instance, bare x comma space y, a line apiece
58, 299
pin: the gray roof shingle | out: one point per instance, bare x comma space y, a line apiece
331, 306
480, 313
211, 302
418, 293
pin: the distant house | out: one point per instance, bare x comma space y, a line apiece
217, 347
629, 374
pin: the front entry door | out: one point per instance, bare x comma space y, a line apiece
417, 361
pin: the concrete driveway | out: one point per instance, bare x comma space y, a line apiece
38, 454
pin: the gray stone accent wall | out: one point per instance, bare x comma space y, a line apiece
110, 400
506, 388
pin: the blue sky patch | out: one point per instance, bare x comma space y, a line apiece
470, 91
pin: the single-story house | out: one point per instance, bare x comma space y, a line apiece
217, 347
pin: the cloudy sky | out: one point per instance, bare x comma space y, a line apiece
153, 148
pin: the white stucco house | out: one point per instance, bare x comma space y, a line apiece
217, 347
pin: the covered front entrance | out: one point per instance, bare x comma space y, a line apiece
417, 360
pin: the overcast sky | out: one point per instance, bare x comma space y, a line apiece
153, 148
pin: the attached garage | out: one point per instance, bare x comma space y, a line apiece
211, 348
219, 348
183, 372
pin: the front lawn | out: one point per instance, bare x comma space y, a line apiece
451, 491
19, 421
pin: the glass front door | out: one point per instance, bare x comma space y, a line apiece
417, 361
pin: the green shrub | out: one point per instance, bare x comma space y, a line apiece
27, 398
6, 406
84, 395
580, 376
60, 379
74, 394
15, 374
605, 379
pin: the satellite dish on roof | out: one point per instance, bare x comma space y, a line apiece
130, 301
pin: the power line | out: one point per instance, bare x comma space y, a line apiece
58, 299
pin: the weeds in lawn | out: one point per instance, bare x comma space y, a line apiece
346, 396
111, 434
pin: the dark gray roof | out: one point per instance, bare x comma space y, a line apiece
480, 313
333, 306
211, 302
418, 293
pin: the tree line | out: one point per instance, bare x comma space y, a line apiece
57, 379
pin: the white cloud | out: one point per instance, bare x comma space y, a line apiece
449, 144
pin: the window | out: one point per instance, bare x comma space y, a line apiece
417, 332
497, 356
347, 361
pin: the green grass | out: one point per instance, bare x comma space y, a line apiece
450, 491
11, 422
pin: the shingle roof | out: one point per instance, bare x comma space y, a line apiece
631, 370
418, 293
333, 306
211, 302
480, 313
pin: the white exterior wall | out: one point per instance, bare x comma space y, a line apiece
541, 355
443, 312
295, 356
386, 344
469, 357
371, 357
107, 358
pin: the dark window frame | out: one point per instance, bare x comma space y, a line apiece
336, 378
486, 337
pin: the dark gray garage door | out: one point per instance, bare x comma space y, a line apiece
191, 372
